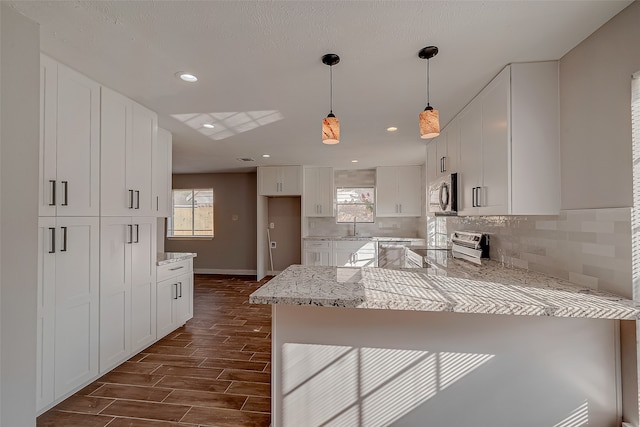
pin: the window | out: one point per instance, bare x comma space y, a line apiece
192, 213
355, 203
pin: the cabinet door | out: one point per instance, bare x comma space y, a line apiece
76, 299
318, 192
167, 292
143, 283
115, 290
433, 161
452, 160
184, 303
78, 144
409, 190
46, 312
116, 197
139, 173
317, 257
268, 181
386, 192
48, 108
162, 174
290, 180
495, 146
470, 175
343, 258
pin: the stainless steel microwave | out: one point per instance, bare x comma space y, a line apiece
443, 195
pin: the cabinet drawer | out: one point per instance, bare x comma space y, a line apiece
172, 269
317, 244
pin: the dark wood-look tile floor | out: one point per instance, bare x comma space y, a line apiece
214, 371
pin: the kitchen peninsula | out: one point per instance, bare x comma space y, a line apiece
462, 345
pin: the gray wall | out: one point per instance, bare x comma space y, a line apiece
19, 112
595, 119
233, 248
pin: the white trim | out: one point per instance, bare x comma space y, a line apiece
230, 272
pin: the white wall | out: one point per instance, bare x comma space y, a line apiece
595, 119
20, 86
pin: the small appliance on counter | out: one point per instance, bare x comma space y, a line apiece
443, 195
470, 245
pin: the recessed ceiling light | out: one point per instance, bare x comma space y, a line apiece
354, 161
187, 77
392, 129
208, 125
266, 156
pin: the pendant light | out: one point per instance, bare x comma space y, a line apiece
429, 120
330, 124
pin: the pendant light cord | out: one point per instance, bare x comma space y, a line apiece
331, 89
427, 82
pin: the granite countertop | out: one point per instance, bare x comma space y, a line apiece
461, 287
169, 257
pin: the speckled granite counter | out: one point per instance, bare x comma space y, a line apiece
169, 257
460, 288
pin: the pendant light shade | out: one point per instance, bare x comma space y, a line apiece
429, 118
331, 129
330, 124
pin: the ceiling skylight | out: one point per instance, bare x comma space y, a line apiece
225, 124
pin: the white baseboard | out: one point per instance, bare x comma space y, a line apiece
229, 272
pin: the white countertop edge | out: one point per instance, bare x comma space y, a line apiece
170, 257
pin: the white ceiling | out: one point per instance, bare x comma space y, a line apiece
264, 57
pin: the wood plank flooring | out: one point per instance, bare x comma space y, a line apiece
214, 371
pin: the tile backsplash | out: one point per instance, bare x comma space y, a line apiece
590, 247
383, 227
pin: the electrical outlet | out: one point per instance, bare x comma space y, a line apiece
272, 225
273, 245
234, 217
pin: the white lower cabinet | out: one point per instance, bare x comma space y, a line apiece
68, 299
317, 252
174, 296
127, 287
354, 254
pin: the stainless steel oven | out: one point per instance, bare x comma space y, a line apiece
443, 195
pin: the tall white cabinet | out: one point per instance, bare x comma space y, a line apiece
129, 132
104, 178
69, 142
68, 305
318, 192
127, 287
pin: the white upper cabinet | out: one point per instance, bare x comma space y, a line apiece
318, 191
509, 144
162, 174
398, 191
128, 133
280, 181
443, 152
69, 142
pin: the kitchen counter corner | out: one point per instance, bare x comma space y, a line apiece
169, 257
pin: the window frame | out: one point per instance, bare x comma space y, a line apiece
169, 226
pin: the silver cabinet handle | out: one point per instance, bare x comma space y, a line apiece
157, 203
137, 234
64, 239
130, 233
400, 204
176, 285
65, 187
444, 164
176, 268
130, 199
53, 240
53, 192
180, 296
137, 199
